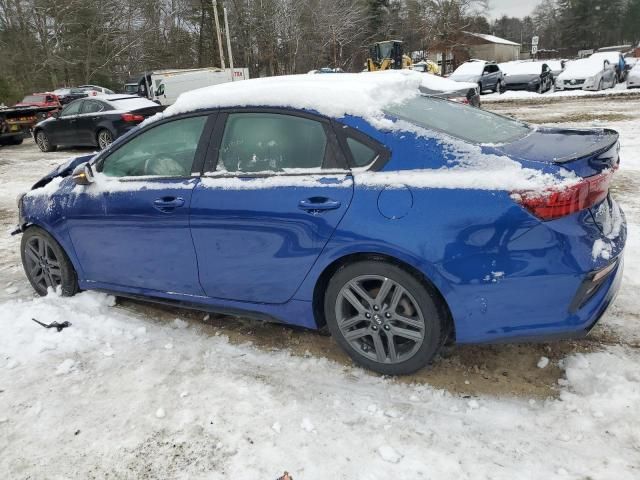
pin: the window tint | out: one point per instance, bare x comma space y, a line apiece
91, 106
361, 153
255, 142
72, 109
166, 150
468, 123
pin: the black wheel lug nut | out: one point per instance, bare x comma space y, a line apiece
374, 328
367, 315
386, 327
388, 315
376, 308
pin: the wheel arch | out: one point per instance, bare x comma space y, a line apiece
328, 272
65, 244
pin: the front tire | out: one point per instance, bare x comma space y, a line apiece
105, 138
383, 317
46, 264
42, 139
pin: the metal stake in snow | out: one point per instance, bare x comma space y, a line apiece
226, 30
56, 325
215, 16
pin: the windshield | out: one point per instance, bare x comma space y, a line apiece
386, 48
461, 121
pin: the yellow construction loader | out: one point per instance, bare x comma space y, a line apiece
387, 55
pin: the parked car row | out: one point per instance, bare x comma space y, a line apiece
600, 71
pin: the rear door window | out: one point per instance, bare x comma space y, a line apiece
271, 142
92, 106
167, 150
361, 154
72, 109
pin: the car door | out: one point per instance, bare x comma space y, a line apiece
130, 227
87, 121
62, 130
275, 191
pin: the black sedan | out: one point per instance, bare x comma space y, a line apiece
530, 76
93, 121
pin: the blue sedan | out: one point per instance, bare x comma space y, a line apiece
424, 222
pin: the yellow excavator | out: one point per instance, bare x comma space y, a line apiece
389, 55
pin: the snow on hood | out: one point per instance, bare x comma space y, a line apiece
358, 94
584, 68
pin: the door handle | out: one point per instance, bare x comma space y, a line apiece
168, 204
316, 205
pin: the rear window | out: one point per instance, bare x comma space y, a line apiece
458, 120
33, 99
131, 103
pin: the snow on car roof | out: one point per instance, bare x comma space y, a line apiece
613, 57
440, 84
358, 94
366, 95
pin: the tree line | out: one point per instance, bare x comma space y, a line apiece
46, 44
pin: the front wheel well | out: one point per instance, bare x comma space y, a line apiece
323, 281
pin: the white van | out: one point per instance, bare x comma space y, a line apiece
164, 86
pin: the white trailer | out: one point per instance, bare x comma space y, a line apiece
164, 86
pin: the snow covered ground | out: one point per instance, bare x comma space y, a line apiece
620, 89
138, 392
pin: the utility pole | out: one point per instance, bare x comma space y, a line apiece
215, 16
226, 30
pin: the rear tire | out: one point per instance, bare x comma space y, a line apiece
42, 139
384, 318
46, 264
600, 85
104, 138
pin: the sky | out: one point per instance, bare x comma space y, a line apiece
512, 8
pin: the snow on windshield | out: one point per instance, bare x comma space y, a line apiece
469, 69
583, 68
522, 68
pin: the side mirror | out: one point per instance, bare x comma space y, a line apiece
83, 174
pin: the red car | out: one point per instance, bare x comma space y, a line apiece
45, 100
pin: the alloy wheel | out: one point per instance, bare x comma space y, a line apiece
42, 265
380, 319
42, 141
104, 139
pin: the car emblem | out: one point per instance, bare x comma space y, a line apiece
573, 80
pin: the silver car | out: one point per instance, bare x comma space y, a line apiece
587, 74
633, 77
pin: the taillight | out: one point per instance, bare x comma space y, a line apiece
131, 117
460, 100
553, 203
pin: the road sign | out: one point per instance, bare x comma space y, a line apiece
534, 40
534, 49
